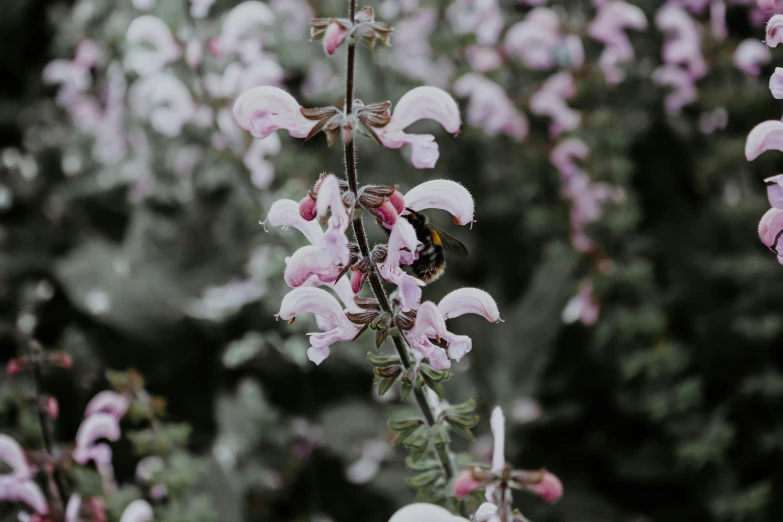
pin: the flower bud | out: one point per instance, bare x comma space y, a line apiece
61, 359
307, 208
358, 278
51, 407
334, 36
542, 483
465, 483
387, 214
14, 367
398, 200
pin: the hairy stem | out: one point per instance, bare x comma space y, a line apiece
361, 238
35, 357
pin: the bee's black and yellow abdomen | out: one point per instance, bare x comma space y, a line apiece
431, 265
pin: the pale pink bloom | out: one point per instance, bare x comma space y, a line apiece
490, 108
683, 42
296, 15
769, 5
73, 508
711, 121
751, 55
610, 60
764, 136
200, 8
152, 45
582, 307
334, 36
14, 489
770, 230
402, 249
487, 513
285, 213
74, 80
194, 52
549, 100
413, 52
498, 424
774, 31
330, 200
550, 488
776, 83
469, 301
165, 101
109, 402
418, 104
718, 19
612, 21
137, 511
538, 43
430, 324
12, 454
445, 195
146, 470
93, 428
262, 171
424, 513
480, 17
565, 153
586, 201
320, 303
263, 110
465, 484
143, 5
483, 58
684, 92
775, 190
311, 265
243, 29
264, 71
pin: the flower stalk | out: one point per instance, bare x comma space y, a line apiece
360, 235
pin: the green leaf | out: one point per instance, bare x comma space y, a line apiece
439, 435
383, 360
419, 438
423, 465
462, 408
463, 432
386, 384
468, 421
405, 390
423, 479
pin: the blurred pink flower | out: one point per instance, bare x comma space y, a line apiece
751, 55
775, 190
770, 230
73, 508
763, 137
469, 301
609, 27
430, 324
776, 83
322, 304
109, 402
483, 58
402, 249
490, 108
166, 102
12, 454
413, 52
296, 15
18, 486
152, 45
564, 154
538, 43
137, 511
480, 17
93, 428
418, 104
200, 8
683, 42
550, 100
242, 31
445, 195
334, 36
684, 92
549, 488
465, 484
262, 171
718, 19
582, 307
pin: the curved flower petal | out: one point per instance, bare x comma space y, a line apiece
108, 402
137, 511
683, 44
445, 195
402, 244
469, 301
239, 34
775, 190
307, 262
771, 228
430, 324
774, 31
465, 483
94, 427
73, 508
684, 92
550, 101
165, 100
776, 83
334, 36
424, 513
27, 491
498, 424
764, 136
534, 39
330, 198
550, 488
751, 55
564, 154
12, 454
487, 513
285, 213
153, 45
263, 110
490, 107
582, 307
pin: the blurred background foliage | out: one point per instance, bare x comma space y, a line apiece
665, 410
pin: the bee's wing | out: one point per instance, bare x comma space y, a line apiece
450, 243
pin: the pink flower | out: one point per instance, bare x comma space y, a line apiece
296, 15
483, 58
684, 92
285, 213
200, 8
152, 45
241, 31
564, 154
334, 36
165, 101
424, 513
262, 171
609, 27
93, 428
718, 19
490, 108
774, 32
18, 486
469, 301
263, 110
769, 5
12, 454
775, 190
465, 484
401, 249
52, 407
430, 324
137, 511
480, 17
764, 136
73, 508
323, 305
498, 424
582, 307
537, 42
750, 55
550, 101
770, 230
549, 488
445, 195
109, 402
776, 83
683, 43
418, 104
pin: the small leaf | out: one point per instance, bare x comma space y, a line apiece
423, 479
405, 390
462, 408
420, 438
463, 432
439, 435
386, 384
423, 465
383, 360
462, 420
404, 424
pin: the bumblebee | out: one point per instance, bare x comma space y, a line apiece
434, 242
